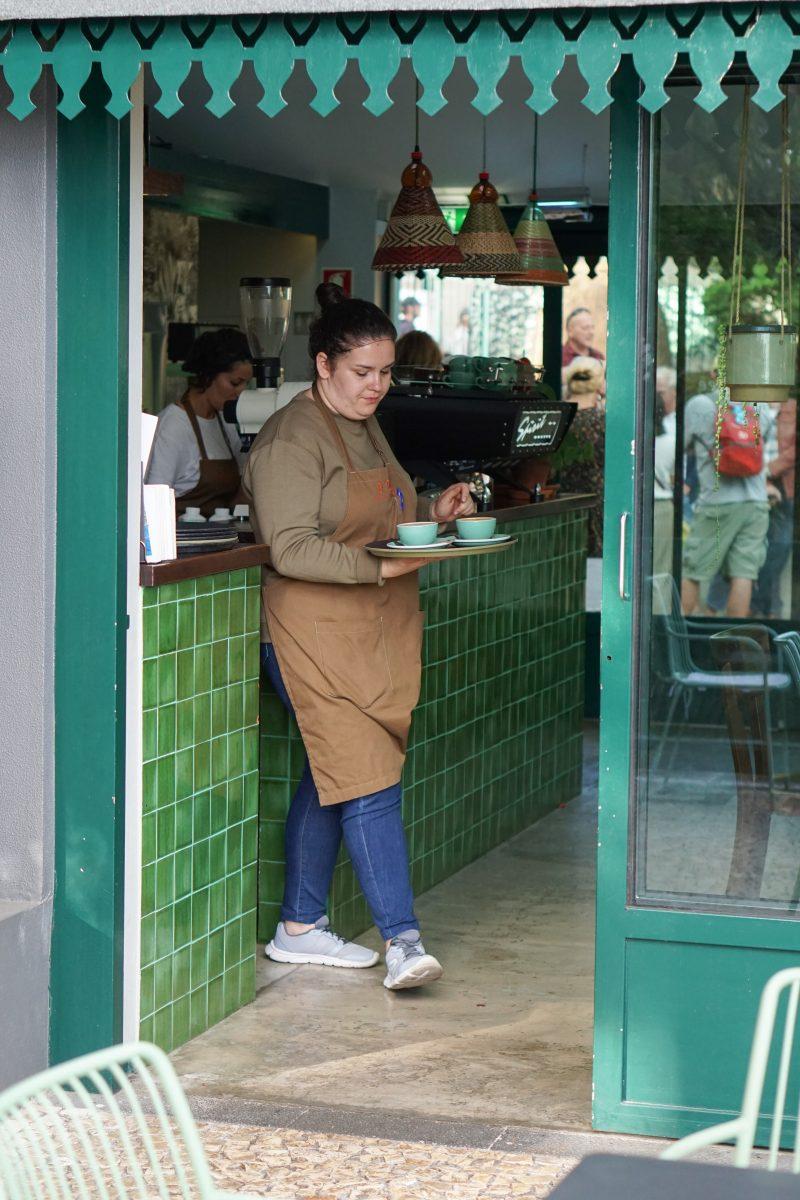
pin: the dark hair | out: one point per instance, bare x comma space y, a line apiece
418, 349
213, 352
344, 322
576, 312
409, 302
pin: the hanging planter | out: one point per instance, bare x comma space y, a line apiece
760, 359
761, 363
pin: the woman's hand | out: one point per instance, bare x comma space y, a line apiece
392, 567
455, 501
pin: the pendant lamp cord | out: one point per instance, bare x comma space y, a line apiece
535, 149
484, 145
741, 200
416, 116
786, 219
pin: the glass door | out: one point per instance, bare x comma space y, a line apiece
699, 839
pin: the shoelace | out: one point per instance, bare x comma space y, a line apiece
410, 949
337, 937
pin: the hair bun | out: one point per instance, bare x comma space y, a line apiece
328, 295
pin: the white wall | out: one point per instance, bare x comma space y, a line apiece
27, 574
352, 241
229, 250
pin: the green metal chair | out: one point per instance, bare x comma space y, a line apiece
742, 1129
108, 1126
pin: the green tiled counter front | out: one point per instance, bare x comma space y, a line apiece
496, 737
200, 802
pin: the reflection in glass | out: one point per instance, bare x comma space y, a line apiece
717, 821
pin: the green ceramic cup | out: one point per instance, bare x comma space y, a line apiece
417, 533
476, 528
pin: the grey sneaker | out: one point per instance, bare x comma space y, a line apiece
320, 946
407, 964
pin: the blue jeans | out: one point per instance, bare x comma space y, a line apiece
372, 827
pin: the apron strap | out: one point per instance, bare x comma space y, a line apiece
187, 408
192, 415
334, 428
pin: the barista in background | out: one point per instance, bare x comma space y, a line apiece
417, 349
193, 451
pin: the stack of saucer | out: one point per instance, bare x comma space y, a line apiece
197, 538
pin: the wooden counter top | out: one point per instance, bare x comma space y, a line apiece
195, 566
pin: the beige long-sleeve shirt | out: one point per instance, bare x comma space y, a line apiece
297, 483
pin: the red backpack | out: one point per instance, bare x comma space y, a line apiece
740, 451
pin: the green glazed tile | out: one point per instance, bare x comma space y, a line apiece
203, 620
167, 628
216, 953
198, 1012
184, 812
199, 912
149, 734
204, 585
236, 613
166, 729
216, 853
149, 786
219, 664
184, 713
167, 592
166, 678
150, 683
202, 717
219, 809
148, 837
180, 972
150, 632
200, 866
165, 831
216, 1010
149, 597
148, 889
162, 1028
181, 1022
235, 800
182, 922
236, 648
220, 615
219, 711
202, 669
164, 934
202, 765
221, 582
219, 760
146, 991
186, 589
185, 637
216, 904
183, 873
165, 883
148, 939
235, 706
184, 774
185, 681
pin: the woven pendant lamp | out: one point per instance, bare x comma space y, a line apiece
538, 253
539, 256
417, 235
484, 238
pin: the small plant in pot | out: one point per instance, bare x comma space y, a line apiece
761, 363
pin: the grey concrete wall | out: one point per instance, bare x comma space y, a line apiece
27, 577
352, 241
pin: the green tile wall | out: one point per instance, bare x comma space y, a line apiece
496, 738
200, 803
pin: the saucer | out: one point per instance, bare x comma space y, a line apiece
497, 537
442, 541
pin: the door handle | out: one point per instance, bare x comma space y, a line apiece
623, 546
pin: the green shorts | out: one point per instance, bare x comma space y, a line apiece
727, 538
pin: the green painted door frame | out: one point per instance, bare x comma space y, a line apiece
676, 992
91, 488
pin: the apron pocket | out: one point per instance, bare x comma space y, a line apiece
354, 661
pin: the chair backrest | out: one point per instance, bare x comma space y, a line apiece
764, 1039
110, 1125
789, 644
667, 605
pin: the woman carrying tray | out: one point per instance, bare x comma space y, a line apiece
343, 636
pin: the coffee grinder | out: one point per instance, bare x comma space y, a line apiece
266, 305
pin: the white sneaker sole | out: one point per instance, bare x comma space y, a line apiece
425, 970
316, 960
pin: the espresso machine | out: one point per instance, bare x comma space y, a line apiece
266, 305
441, 433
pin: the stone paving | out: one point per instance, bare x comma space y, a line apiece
289, 1164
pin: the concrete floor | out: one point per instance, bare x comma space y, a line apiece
504, 1039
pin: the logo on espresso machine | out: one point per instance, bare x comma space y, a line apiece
537, 427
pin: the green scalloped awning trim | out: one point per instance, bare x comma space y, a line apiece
708, 38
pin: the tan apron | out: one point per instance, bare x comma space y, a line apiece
220, 479
350, 654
